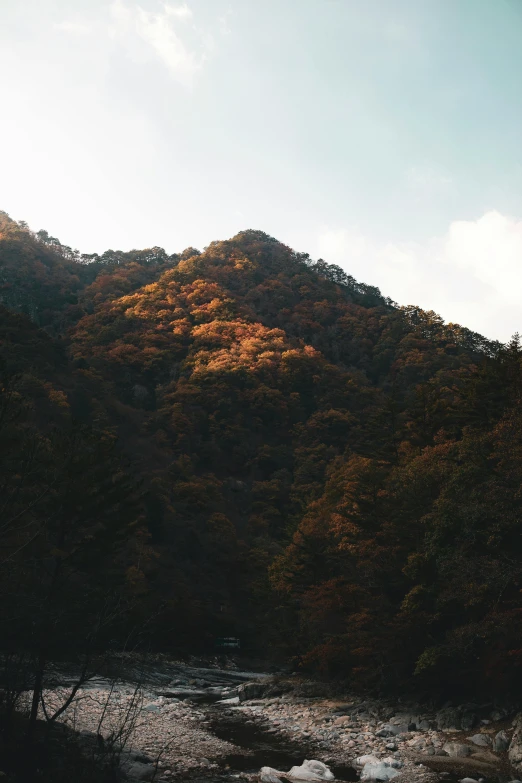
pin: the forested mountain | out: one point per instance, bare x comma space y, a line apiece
245, 442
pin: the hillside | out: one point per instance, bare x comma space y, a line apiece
295, 460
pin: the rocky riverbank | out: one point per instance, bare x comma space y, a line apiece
181, 722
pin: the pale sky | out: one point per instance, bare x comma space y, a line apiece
382, 135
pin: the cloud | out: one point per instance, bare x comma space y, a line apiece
181, 11
74, 28
160, 32
472, 275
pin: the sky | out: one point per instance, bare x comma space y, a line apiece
381, 135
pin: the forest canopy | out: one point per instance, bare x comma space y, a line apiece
247, 442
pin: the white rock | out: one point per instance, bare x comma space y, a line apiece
269, 775
368, 759
311, 770
380, 771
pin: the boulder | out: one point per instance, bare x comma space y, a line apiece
485, 755
381, 771
269, 775
361, 761
139, 771
456, 718
391, 730
448, 718
501, 741
515, 746
457, 749
232, 702
482, 740
469, 766
311, 770
250, 690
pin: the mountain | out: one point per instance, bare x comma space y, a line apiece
330, 477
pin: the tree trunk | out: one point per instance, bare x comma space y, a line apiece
37, 690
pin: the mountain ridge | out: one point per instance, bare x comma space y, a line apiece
299, 440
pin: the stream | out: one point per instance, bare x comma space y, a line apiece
265, 749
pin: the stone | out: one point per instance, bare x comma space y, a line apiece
139, 771
501, 741
269, 775
250, 690
468, 780
367, 759
311, 771
485, 755
468, 720
481, 739
234, 701
448, 718
391, 730
457, 749
381, 771
515, 746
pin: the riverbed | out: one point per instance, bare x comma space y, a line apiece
209, 724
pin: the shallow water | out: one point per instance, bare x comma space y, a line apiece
267, 750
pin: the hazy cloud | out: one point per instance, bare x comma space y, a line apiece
471, 275
164, 33
74, 28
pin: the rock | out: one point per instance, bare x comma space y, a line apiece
269, 775
141, 757
233, 702
251, 690
311, 770
448, 718
151, 708
468, 720
456, 749
501, 741
485, 755
139, 771
367, 759
481, 739
515, 746
460, 766
391, 730
468, 780
382, 770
